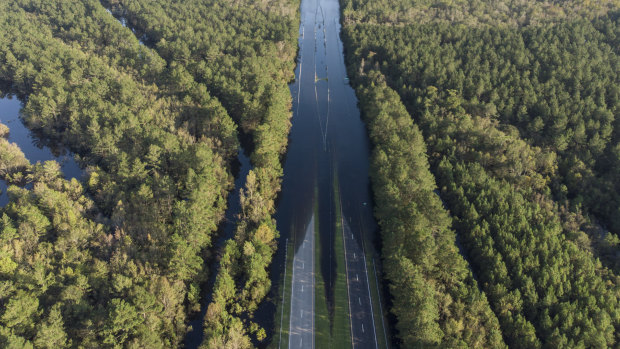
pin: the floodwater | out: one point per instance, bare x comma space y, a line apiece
123, 21
327, 139
227, 229
32, 146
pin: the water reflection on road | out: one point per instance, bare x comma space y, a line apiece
327, 138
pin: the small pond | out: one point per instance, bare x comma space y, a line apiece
34, 149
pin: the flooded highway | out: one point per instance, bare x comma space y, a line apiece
328, 144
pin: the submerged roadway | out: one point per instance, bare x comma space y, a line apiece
327, 133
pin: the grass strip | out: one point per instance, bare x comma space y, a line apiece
322, 331
341, 331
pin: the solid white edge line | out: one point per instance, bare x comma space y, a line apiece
374, 330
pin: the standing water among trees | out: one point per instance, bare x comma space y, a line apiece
34, 148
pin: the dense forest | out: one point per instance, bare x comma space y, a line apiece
495, 168
519, 120
473, 12
247, 68
429, 279
118, 258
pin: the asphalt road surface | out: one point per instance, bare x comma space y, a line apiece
302, 293
363, 333
326, 129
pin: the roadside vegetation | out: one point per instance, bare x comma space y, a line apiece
518, 123
435, 297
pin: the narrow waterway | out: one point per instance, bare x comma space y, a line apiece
226, 231
327, 139
35, 148
142, 39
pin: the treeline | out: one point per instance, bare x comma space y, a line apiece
247, 67
557, 84
524, 242
119, 259
473, 12
435, 298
